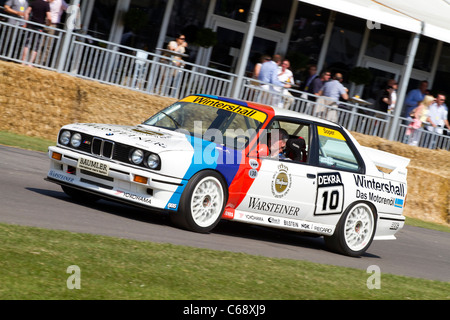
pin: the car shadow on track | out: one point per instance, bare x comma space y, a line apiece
110, 207
272, 236
260, 233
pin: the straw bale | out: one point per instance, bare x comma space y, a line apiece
38, 102
428, 178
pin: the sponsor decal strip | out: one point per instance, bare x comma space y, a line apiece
330, 193
327, 132
132, 196
272, 207
393, 190
93, 166
236, 108
59, 176
363, 182
278, 222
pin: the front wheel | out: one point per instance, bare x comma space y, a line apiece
354, 232
202, 202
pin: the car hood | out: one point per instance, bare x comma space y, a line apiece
146, 137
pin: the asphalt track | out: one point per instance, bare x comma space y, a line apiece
26, 199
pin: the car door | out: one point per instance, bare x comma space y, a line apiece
337, 163
283, 188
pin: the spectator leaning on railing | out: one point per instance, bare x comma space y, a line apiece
17, 9
437, 118
38, 12
419, 115
437, 115
414, 97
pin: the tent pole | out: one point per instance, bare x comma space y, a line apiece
403, 86
247, 43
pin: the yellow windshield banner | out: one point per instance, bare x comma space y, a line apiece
331, 133
232, 107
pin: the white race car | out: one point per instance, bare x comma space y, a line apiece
206, 158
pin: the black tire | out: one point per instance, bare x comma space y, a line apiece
80, 196
202, 202
354, 232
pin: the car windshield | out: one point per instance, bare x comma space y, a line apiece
213, 120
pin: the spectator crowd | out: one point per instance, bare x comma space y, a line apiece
423, 112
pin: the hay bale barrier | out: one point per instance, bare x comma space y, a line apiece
428, 178
38, 102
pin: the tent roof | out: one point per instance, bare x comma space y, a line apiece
408, 15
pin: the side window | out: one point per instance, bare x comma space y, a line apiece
334, 151
287, 141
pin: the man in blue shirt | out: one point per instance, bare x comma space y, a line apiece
269, 71
269, 75
414, 97
334, 89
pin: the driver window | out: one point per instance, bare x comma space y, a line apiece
285, 141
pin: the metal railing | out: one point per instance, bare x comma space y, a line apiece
15, 38
144, 71
91, 58
357, 118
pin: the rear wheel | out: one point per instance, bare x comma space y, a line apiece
354, 232
202, 202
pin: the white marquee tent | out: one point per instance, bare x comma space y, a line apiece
409, 15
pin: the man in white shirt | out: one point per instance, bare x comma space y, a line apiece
286, 76
269, 75
56, 10
437, 117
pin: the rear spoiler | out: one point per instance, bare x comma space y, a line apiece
388, 160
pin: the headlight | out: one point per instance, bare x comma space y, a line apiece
75, 141
64, 138
153, 161
137, 156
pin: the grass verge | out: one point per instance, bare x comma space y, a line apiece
35, 261
24, 142
427, 225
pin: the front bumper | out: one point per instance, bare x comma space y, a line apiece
121, 182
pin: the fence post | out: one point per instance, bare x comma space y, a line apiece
409, 62
73, 11
247, 43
